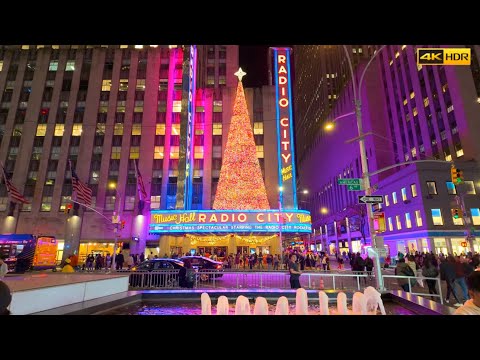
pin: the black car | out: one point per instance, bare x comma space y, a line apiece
156, 273
201, 263
159, 264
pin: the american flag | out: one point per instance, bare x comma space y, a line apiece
15, 195
140, 184
83, 192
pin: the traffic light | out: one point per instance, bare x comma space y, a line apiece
457, 175
67, 208
122, 224
457, 213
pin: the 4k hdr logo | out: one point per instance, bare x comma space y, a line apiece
444, 56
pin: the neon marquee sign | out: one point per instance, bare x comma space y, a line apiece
181, 221
286, 160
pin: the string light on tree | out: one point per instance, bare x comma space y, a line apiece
240, 185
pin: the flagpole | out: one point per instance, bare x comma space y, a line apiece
116, 230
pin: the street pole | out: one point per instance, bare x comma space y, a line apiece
280, 224
116, 232
363, 158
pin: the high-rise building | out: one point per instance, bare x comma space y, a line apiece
410, 112
103, 108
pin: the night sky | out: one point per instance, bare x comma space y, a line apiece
254, 61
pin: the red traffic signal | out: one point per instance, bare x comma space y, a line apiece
122, 224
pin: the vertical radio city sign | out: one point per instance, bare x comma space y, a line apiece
286, 152
190, 127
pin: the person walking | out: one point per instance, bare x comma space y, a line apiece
447, 273
430, 271
402, 269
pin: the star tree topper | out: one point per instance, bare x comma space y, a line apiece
240, 74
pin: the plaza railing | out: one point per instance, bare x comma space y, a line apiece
417, 285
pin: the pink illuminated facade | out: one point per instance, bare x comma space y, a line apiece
103, 107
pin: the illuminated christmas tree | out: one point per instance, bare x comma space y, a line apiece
241, 183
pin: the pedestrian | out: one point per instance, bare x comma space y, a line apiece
68, 268
5, 298
294, 272
430, 271
447, 273
402, 269
3, 268
471, 306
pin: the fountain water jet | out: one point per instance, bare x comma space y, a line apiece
242, 306
359, 304
301, 302
374, 300
342, 308
323, 300
222, 305
282, 306
206, 304
261, 306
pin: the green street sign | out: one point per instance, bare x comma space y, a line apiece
349, 182
354, 187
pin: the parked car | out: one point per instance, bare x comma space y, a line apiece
159, 264
161, 272
201, 263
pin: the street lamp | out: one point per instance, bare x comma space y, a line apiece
330, 125
363, 154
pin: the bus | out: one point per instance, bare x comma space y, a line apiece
23, 252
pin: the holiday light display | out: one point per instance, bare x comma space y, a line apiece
213, 240
241, 183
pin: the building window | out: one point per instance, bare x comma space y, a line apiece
160, 129
399, 223
404, 194
118, 129
260, 152
458, 149
470, 187
46, 203
387, 201
41, 130
390, 224
155, 202
175, 129
137, 129
475, 216
217, 129
134, 152
437, 217
198, 152
452, 190
418, 218
106, 85
174, 151
109, 203
70, 67
408, 221
258, 128
426, 102
394, 197
53, 65
129, 202
138, 106
217, 106
59, 129
116, 151
432, 188
413, 187
123, 86
450, 109
140, 84
77, 130
158, 154
177, 106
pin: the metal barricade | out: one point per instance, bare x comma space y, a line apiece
166, 279
414, 287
